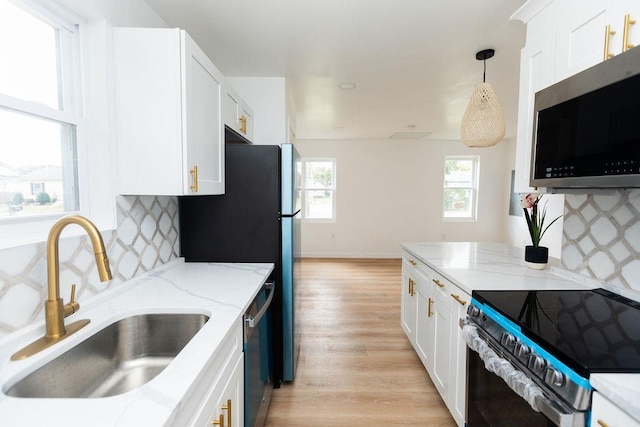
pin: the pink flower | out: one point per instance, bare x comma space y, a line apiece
529, 200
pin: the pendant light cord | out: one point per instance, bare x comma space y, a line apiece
484, 74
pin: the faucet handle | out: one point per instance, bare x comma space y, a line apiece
72, 306
73, 294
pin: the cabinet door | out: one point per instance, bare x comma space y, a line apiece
226, 401
231, 108
580, 37
204, 127
408, 301
605, 414
458, 391
441, 347
536, 72
424, 325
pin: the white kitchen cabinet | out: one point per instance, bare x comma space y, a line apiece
457, 401
237, 114
409, 299
221, 391
563, 38
430, 320
170, 134
605, 413
226, 399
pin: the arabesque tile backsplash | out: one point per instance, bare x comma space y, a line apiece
146, 237
601, 237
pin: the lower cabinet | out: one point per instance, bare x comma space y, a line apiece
431, 307
218, 399
224, 405
605, 413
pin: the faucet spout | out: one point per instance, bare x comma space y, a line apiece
54, 308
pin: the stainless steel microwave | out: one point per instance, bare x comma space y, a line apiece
586, 131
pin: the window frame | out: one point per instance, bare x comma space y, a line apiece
21, 230
474, 187
304, 190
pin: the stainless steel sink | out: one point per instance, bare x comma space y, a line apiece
119, 358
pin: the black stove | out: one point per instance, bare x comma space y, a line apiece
591, 331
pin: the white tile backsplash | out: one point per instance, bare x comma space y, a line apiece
146, 237
601, 237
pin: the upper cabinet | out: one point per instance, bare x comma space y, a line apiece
564, 38
168, 110
236, 113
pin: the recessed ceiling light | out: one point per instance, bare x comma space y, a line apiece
347, 86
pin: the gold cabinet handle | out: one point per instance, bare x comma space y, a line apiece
411, 285
413, 262
608, 32
227, 408
457, 298
219, 422
602, 423
628, 22
429, 312
438, 282
243, 124
194, 176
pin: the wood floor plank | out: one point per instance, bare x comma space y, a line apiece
356, 367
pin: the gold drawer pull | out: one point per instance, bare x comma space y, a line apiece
219, 422
429, 312
438, 282
602, 423
628, 22
227, 407
457, 298
194, 175
608, 32
413, 262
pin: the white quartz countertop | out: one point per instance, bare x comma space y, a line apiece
621, 389
221, 291
487, 266
496, 266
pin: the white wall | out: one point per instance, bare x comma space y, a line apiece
515, 227
390, 191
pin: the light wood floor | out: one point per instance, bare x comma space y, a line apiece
356, 367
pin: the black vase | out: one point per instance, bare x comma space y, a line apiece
536, 257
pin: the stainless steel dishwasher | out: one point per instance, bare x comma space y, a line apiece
258, 364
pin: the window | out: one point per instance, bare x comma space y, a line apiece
39, 112
318, 189
460, 188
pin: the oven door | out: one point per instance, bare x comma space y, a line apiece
491, 402
505, 396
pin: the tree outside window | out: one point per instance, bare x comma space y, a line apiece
318, 186
460, 188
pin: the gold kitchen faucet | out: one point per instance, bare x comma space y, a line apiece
54, 308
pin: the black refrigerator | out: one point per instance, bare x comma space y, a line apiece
256, 220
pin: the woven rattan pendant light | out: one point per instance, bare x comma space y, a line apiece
483, 120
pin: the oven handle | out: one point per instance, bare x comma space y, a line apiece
560, 414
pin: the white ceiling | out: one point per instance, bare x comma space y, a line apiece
413, 61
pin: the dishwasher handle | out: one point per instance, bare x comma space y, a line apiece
253, 321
